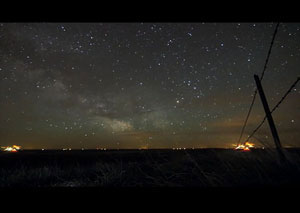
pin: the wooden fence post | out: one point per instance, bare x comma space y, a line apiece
269, 117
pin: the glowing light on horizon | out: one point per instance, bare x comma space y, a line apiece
245, 147
13, 148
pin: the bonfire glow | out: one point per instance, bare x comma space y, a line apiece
13, 148
245, 147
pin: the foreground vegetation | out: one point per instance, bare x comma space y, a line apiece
149, 168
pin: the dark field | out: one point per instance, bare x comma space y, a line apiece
149, 168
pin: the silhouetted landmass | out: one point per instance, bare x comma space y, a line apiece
149, 168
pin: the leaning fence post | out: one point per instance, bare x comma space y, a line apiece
269, 117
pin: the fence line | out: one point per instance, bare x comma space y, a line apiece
261, 77
274, 108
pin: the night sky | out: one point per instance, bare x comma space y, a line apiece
144, 85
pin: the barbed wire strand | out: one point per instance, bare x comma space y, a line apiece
274, 108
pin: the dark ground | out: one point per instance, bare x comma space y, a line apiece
149, 168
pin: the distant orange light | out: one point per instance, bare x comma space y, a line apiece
245, 147
16, 147
13, 148
250, 145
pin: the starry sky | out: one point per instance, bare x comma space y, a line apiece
144, 85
